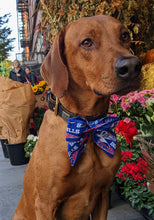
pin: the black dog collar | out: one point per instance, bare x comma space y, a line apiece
60, 110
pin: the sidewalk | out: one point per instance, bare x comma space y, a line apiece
11, 178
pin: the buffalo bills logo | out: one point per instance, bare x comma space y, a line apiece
78, 130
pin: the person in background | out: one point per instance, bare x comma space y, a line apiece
17, 73
30, 77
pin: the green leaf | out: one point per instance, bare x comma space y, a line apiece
148, 118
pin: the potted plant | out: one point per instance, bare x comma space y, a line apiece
40, 93
136, 111
40, 87
37, 118
138, 106
131, 177
147, 122
29, 145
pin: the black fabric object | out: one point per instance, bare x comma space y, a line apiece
31, 78
14, 77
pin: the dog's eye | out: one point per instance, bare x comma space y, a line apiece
87, 43
125, 37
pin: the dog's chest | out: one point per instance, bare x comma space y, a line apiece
84, 186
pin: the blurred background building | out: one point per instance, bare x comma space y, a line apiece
29, 36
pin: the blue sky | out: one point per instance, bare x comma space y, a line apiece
9, 6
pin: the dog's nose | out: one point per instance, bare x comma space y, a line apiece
128, 68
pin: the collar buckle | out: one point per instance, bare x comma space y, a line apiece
56, 106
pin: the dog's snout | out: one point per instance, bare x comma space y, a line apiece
128, 67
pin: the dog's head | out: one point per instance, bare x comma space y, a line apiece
94, 53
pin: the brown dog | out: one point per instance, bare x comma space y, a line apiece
89, 61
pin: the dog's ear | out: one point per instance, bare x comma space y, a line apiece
54, 68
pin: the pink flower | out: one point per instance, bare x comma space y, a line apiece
127, 120
142, 101
152, 96
132, 99
113, 115
125, 105
115, 98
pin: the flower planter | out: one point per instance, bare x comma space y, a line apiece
144, 212
4, 148
17, 154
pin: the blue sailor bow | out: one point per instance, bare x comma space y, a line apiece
77, 134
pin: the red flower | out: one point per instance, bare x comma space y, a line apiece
137, 177
125, 169
120, 175
127, 129
134, 170
33, 126
126, 155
